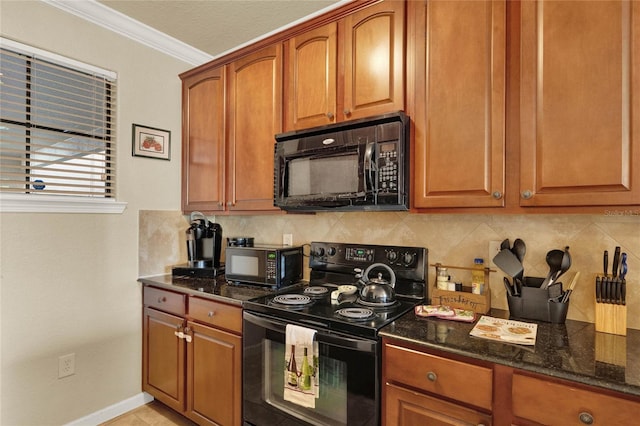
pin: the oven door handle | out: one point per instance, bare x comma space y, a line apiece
360, 345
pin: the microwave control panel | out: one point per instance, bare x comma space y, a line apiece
388, 167
271, 266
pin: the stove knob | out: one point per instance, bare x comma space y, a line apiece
331, 251
392, 256
408, 258
319, 252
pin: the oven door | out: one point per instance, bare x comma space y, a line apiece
348, 372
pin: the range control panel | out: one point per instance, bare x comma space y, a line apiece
407, 262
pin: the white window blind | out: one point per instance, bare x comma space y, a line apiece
58, 125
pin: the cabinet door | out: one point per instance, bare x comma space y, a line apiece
459, 106
163, 355
214, 390
255, 103
203, 121
310, 78
580, 126
373, 56
403, 407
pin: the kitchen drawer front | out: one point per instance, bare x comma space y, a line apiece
457, 380
216, 314
567, 405
164, 300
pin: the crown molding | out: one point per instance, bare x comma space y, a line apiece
101, 15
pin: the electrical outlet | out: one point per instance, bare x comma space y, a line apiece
66, 365
287, 239
494, 248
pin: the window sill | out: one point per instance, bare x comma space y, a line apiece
40, 203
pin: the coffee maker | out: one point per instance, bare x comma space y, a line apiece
204, 244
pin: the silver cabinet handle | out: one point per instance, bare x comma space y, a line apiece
162, 299
347, 111
431, 376
211, 314
586, 418
526, 194
497, 195
330, 115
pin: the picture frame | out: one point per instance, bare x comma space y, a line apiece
151, 142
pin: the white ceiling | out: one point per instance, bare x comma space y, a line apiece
217, 26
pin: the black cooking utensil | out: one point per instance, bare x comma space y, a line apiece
508, 262
519, 249
507, 285
554, 260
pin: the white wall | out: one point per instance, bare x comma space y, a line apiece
68, 281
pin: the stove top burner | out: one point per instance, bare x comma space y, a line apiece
316, 290
377, 304
356, 313
292, 299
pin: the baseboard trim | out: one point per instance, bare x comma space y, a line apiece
113, 411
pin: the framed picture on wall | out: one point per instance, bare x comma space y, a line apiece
151, 142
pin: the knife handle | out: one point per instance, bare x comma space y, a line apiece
605, 290
623, 266
618, 294
605, 262
616, 259
623, 292
598, 290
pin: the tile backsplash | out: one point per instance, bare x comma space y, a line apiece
450, 239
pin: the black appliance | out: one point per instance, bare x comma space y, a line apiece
267, 265
354, 165
349, 361
204, 245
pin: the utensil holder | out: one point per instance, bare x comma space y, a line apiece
534, 303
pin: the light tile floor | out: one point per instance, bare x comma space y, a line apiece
151, 414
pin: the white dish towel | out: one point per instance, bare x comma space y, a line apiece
301, 376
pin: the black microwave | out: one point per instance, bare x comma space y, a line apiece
351, 166
266, 265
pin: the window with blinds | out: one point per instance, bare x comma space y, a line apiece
58, 127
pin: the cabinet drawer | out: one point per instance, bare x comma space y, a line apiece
164, 300
215, 313
567, 405
467, 383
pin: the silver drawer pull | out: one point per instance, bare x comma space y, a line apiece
162, 299
586, 418
211, 314
431, 376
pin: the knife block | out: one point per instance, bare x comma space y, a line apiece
611, 318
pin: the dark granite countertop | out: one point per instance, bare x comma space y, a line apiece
566, 351
210, 288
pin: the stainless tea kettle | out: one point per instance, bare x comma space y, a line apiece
378, 291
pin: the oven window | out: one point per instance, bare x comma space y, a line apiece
327, 175
331, 406
244, 265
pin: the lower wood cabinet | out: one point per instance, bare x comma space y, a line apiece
567, 405
425, 389
192, 362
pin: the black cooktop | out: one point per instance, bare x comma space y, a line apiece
311, 306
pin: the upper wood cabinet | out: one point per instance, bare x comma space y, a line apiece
348, 69
580, 103
310, 78
458, 100
203, 140
255, 116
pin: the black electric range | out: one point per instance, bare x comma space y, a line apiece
336, 264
